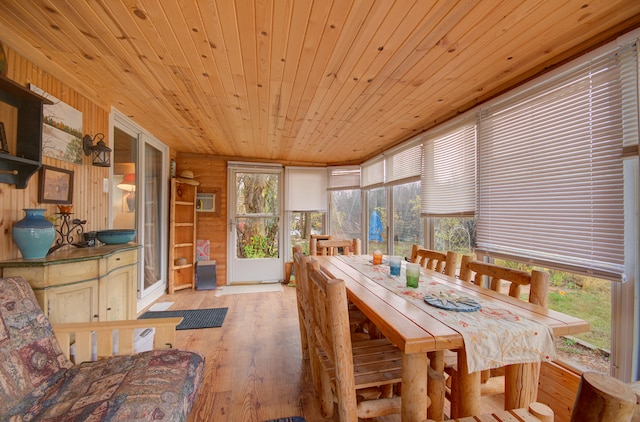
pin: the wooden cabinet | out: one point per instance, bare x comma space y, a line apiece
21, 115
182, 236
82, 285
76, 302
118, 287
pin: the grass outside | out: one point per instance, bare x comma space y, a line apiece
591, 302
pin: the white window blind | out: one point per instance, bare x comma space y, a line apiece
449, 175
344, 177
403, 165
550, 171
372, 173
306, 188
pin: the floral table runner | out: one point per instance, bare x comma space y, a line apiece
493, 336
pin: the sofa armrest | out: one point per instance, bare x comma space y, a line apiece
80, 332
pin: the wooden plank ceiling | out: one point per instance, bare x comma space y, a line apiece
301, 82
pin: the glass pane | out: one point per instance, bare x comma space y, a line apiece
456, 234
257, 193
124, 180
302, 225
152, 201
346, 214
377, 213
408, 227
257, 237
586, 298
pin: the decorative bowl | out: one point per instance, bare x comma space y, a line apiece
116, 236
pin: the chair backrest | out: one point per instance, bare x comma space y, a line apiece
313, 242
471, 270
32, 358
333, 247
442, 262
332, 334
302, 290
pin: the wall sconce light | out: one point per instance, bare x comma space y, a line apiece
100, 152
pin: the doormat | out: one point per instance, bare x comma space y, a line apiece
192, 319
248, 288
289, 419
160, 306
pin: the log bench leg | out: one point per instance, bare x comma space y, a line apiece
436, 385
603, 398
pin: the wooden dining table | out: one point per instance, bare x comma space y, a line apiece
418, 333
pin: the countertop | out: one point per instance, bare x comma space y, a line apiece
71, 254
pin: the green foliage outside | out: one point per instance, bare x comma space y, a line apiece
583, 297
257, 201
260, 247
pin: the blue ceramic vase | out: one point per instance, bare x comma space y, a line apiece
34, 234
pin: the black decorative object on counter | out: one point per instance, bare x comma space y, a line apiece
70, 232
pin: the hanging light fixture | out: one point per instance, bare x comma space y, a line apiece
100, 152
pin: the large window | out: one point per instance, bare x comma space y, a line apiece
544, 175
302, 224
407, 223
345, 199
346, 213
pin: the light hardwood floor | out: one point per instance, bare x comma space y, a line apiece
253, 365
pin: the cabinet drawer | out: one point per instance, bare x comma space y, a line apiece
121, 259
56, 275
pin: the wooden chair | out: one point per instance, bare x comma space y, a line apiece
313, 242
359, 376
360, 324
442, 262
600, 398
299, 269
493, 382
332, 247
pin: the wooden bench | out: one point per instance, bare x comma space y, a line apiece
537, 412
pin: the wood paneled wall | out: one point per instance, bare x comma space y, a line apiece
211, 172
89, 202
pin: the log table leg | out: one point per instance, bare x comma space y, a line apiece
465, 390
521, 385
415, 400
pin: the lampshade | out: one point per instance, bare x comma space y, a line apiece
128, 183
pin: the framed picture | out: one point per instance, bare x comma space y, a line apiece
56, 185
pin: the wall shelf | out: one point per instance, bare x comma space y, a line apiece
182, 236
25, 151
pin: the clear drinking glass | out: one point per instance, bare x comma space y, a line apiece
413, 274
394, 266
377, 257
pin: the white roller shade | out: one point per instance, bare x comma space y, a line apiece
404, 164
344, 177
306, 188
372, 173
550, 172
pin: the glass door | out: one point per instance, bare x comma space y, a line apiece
151, 217
137, 195
254, 225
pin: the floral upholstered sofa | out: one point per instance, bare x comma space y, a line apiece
38, 381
